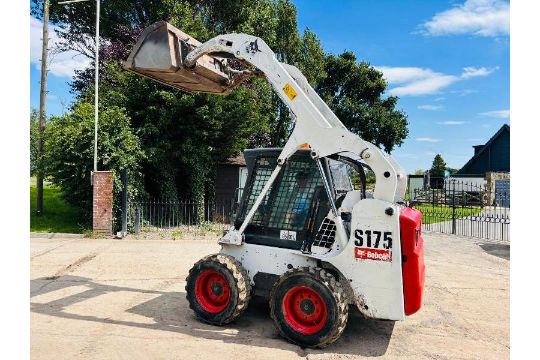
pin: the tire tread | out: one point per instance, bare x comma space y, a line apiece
338, 292
242, 283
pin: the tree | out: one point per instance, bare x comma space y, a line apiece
312, 59
354, 93
172, 125
179, 131
70, 152
419, 172
77, 23
438, 167
452, 171
183, 136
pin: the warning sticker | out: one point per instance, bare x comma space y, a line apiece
373, 254
289, 91
287, 235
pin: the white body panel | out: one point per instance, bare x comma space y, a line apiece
376, 285
268, 259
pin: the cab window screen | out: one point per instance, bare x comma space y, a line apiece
340, 176
291, 201
287, 204
263, 168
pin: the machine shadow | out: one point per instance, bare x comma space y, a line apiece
170, 312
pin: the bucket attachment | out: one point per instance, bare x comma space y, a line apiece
160, 53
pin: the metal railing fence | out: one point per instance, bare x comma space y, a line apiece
456, 207
466, 209
169, 214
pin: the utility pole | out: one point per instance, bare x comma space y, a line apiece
96, 89
96, 77
42, 98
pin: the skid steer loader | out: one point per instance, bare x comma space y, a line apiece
303, 236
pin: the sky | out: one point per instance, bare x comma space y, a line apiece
447, 61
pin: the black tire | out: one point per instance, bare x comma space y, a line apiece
323, 286
215, 307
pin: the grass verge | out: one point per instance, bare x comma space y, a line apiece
57, 217
435, 214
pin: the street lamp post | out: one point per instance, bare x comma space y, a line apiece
96, 90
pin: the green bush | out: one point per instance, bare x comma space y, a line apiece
70, 153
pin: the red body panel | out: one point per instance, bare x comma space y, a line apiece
413, 267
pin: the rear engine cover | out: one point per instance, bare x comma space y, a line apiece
412, 249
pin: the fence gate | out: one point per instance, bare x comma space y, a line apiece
461, 208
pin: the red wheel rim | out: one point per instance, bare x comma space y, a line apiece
304, 310
212, 291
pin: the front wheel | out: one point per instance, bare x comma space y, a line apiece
218, 289
309, 307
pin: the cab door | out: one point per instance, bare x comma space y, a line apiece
283, 218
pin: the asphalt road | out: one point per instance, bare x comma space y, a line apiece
125, 299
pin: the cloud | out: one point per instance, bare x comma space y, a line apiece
489, 18
63, 64
428, 139
416, 81
471, 71
399, 75
430, 107
440, 99
452, 122
426, 86
463, 92
502, 114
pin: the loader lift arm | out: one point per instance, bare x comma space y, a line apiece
316, 126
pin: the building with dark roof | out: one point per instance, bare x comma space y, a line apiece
230, 179
493, 156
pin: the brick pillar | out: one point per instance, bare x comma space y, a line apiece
102, 203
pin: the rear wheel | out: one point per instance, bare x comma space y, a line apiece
309, 307
218, 289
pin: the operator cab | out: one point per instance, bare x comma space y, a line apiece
295, 213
